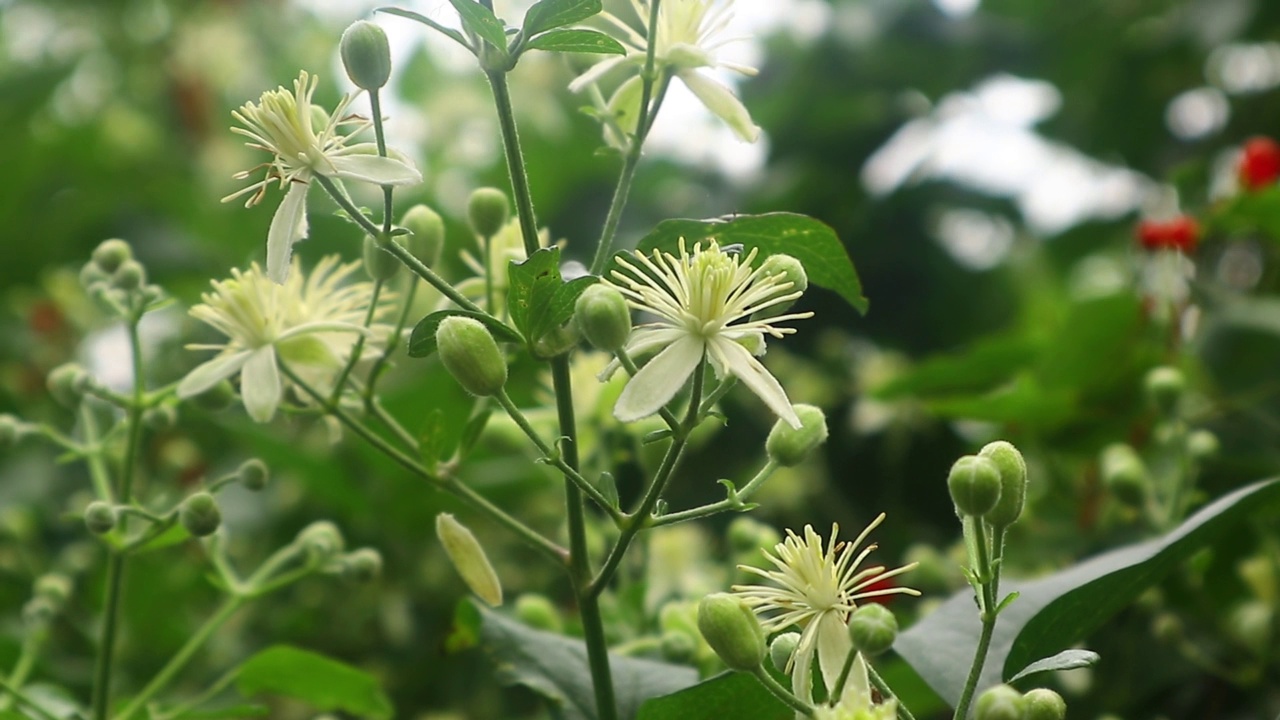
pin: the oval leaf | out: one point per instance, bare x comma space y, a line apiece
578, 41
550, 14
480, 20
1069, 659
422, 342
321, 682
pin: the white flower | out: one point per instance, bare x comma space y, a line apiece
699, 299
309, 323
686, 43
856, 702
816, 590
284, 123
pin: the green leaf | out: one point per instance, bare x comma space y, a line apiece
985, 364
1057, 611
578, 41
323, 683
447, 31
231, 712
556, 668
549, 14
811, 242
1069, 659
480, 20
422, 341
729, 695
539, 300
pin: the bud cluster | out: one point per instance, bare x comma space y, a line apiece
115, 278
1003, 702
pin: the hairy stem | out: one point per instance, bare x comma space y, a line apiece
976, 530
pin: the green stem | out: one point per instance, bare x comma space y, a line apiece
725, 505
26, 660
781, 692
975, 528
358, 349
379, 136
375, 408
838, 691
380, 365
98, 472
26, 700
515, 162
887, 693
212, 691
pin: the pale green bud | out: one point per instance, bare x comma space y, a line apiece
557, 342
781, 650
1043, 704
110, 254
100, 517
378, 263
363, 565
974, 483
537, 611
366, 55
427, 238
873, 628
788, 446
746, 534
67, 384
1203, 445
1013, 482
677, 646
199, 514
1000, 703
469, 559
322, 540
471, 355
791, 276
10, 430
160, 417
1165, 386
253, 474
54, 587
603, 317
487, 211
732, 630
38, 610
1124, 474
1250, 623
129, 276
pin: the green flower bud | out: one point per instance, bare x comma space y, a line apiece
603, 316
487, 211
38, 610
782, 649
873, 628
932, 568
557, 342
378, 263
1203, 445
427, 239
1000, 703
788, 446
10, 430
129, 276
791, 276
1250, 622
322, 540
974, 483
219, 397
1164, 386
110, 255
732, 630
469, 559
537, 611
1043, 704
1124, 474
366, 55
253, 474
100, 517
199, 514
160, 417
1013, 482
67, 384
363, 565
678, 647
748, 535
53, 587
471, 356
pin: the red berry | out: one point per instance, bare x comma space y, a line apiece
1151, 234
1259, 163
1182, 233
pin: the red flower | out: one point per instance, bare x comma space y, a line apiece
1182, 233
1259, 163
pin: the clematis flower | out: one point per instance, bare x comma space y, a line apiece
305, 142
687, 40
700, 299
816, 590
310, 323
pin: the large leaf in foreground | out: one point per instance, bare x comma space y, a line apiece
730, 695
319, 681
1054, 612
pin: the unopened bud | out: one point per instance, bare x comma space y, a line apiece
471, 355
469, 559
322, 540
253, 474
378, 263
160, 417
732, 630
1203, 445
1164, 386
1013, 482
1250, 624
487, 211
974, 483
1000, 703
38, 610
873, 628
1043, 704
199, 514
129, 276
100, 517
782, 649
603, 316
427, 238
791, 276
537, 611
10, 430
788, 446
557, 342
366, 55
67, 384
111, 254
363, 565
748, 535
678, 647
1124, 474
54, 587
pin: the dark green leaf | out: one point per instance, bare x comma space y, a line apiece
730, 695
562, 303
447, 31
480, 20
232, 712
811, 242
539, 300
474, 427
556, 668
422, 341
1054, 612
980, 367
321, 682
549, 14
578, 41
1068, 659
1023, 401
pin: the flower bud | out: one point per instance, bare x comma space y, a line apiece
366, 55
129, 276
557, 342
873, 628
160, 417
471, 356
537, 611
469, 559
199, 514
53, 587
1000, 703
100, 517
38, 610
322, 540
974, 483
1203, 445
1124, 474
218, 397
378, 263
603, 317
111, 254
747, 535
1249, 623
10, 430
363, 565
253, 474
92, 279
788, 446
791, 276
1043, 704
678, 647
1164, 386
732, 630
1013, 482
487, 211
67, 384
781, 650
427, 238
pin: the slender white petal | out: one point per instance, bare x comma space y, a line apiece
260, 384
210, 373
721, 101
598, 71
288, 226
833, 646
740, 363
659, 380
375, 169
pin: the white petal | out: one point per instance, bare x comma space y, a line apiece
595, 72
833, 646
287, 227
659, 380
260, 384
746, 368
211, 373
375, 169
802, 667
721, 101
857, 688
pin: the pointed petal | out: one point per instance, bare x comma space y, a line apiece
802, 667
857, 688
210, 373
721, 101
287, 227
375, 169
833, 646
746, 368
260, 384
659, 380
595, 72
